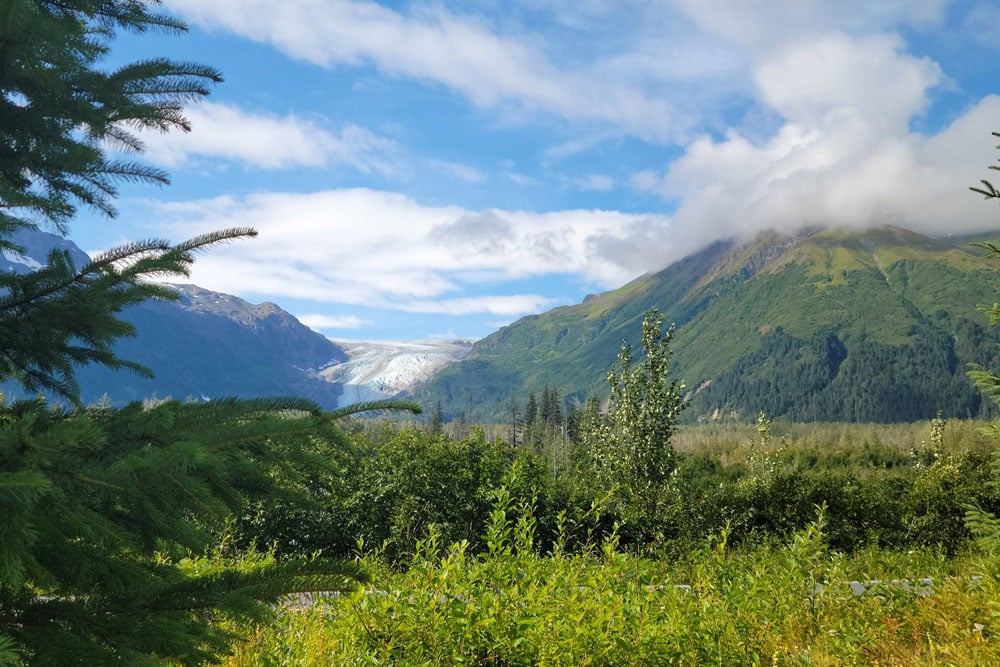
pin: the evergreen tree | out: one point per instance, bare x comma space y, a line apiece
104, 513
103, 508
984, 525
60, 111
988, 190
531, 410
551, 410
61, 316
514, 414
462, 427
437, 420
985, 379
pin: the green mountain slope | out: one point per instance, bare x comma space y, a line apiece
822, 325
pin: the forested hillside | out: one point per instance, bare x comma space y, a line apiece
833, 325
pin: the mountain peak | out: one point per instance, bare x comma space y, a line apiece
200, 300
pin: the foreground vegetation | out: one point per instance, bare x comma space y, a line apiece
754, 567
175, 533
113, 521
782, 605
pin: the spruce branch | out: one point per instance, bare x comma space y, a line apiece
371, 406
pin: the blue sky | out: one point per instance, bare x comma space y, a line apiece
439, 169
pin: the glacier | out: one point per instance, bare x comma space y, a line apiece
378, 369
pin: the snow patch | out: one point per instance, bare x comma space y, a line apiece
18, 258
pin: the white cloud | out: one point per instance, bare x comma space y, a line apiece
380, 249
463, 53
595, 183
319, 321
462, 172
761, 24
844, 153
869, 77
269, 141
842, 172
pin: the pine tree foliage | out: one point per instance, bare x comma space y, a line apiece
386, 404
982, 524
60, 111
437, 420
985, 379
64, 120
531, 409
549, 410
101, 508
106, 515
62, 316
987, 189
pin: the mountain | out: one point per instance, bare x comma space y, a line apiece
383, 369
36, 247
821, 325
209, 344
831, 325
206, 344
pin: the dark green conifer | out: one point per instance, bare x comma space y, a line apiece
531, 410
437, 420
106, 510
60, 110
112, 521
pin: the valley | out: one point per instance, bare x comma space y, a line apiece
556, 334
822, 325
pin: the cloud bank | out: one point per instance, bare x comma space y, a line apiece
844, 154
378, 249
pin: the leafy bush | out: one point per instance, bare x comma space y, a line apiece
408, 480
511, 605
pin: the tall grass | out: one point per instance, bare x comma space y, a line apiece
727, 439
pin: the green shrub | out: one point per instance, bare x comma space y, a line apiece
787, 604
